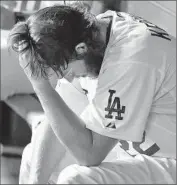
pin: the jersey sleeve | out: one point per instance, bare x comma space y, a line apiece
122, 102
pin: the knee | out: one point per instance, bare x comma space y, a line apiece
25, 165
27, 154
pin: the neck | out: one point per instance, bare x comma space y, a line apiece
103, 26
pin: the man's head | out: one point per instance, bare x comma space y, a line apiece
63, 38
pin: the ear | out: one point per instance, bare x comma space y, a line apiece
81, 48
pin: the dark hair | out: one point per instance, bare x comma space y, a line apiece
51, 34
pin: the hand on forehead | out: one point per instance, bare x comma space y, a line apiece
24, 61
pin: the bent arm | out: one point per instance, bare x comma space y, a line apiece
51, 150
81, 142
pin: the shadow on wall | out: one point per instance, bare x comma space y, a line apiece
7, 18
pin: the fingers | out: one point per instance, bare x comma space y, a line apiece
32, 69
24, 57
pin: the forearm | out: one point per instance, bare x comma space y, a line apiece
68, 127
47, 153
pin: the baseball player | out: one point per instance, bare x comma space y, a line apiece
131, 104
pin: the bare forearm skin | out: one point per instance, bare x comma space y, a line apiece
67, 126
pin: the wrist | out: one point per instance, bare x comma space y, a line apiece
40, 84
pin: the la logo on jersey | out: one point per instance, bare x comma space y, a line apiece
114, 106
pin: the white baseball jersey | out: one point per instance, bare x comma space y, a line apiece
134, 99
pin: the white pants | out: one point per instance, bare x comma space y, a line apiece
139, 170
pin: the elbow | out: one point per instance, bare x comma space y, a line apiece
88, 163
91, 161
